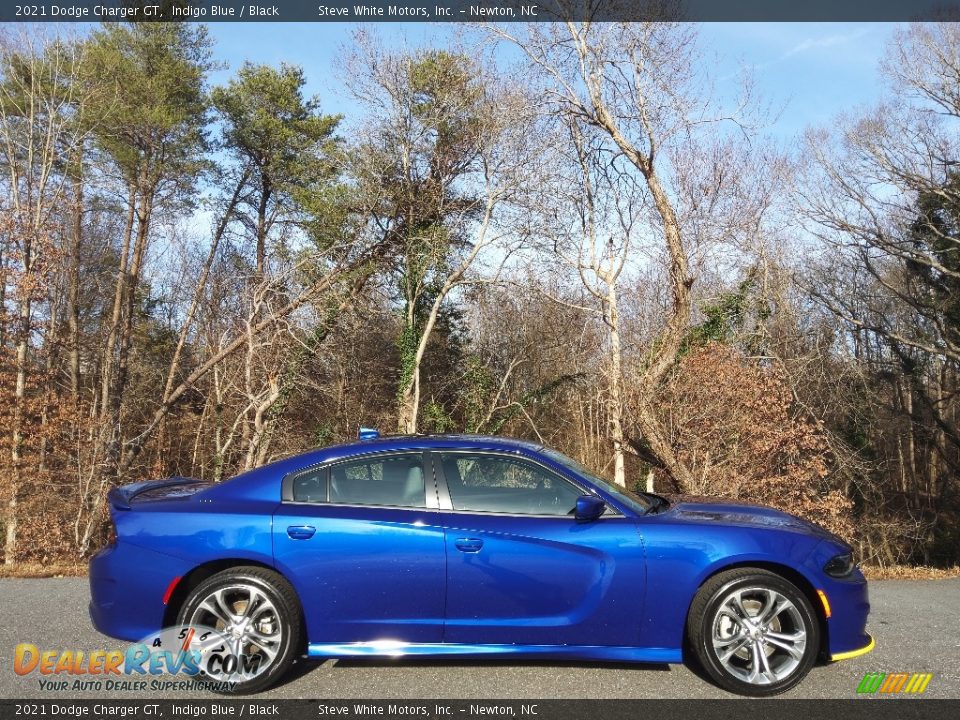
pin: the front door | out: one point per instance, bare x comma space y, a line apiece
521, 570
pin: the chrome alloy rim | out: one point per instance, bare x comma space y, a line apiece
758, 635
249, 627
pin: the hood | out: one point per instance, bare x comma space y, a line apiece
729, 511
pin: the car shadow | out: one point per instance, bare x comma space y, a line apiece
301, 666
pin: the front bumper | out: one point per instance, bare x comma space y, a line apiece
127, 586
850, 607
849, 602
850, 654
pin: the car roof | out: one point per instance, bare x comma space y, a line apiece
386, 443
445, 440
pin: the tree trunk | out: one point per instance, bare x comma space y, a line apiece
3, 300
73, 293
10, 521
20, 396
652, 430
258, 441
615, 387
144, 215
409, 406
116, 315
262, 229
53, 357
109, 438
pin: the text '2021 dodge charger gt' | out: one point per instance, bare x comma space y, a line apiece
477, 547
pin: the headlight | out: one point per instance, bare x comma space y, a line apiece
840, 565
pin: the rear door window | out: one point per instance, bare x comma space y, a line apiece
395, 480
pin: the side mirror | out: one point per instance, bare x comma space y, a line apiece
589, 508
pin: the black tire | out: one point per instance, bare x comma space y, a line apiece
717, 639
285, 612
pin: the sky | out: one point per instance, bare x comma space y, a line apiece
808, 72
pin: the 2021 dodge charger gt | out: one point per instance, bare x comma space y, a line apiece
473, 546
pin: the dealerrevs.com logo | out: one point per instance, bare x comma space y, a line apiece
894, 683
178, 658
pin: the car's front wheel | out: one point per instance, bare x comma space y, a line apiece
753, 632
255, 618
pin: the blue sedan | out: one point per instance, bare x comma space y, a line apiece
475, 547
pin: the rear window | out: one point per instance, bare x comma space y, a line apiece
391, 480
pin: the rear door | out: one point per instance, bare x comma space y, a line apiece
361, 541
521, 570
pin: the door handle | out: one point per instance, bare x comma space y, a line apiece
301, 532
468, 545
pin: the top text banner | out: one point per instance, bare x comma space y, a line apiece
477, 10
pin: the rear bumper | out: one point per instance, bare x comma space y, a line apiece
127, 586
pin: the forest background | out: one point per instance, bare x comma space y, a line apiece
586, 235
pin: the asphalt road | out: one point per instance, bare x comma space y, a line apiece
915, 624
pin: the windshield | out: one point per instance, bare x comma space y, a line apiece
636, 502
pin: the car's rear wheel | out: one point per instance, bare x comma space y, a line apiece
753, 632
256, 616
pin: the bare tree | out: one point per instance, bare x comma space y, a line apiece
40, 101
594, 214
881, 196
881, 191
637, 86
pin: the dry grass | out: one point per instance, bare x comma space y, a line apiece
910, 572
38, 570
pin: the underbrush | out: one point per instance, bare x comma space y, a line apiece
43, 570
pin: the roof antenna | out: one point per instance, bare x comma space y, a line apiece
368, 434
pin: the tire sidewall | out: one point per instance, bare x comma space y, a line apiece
289, 618
711, 662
